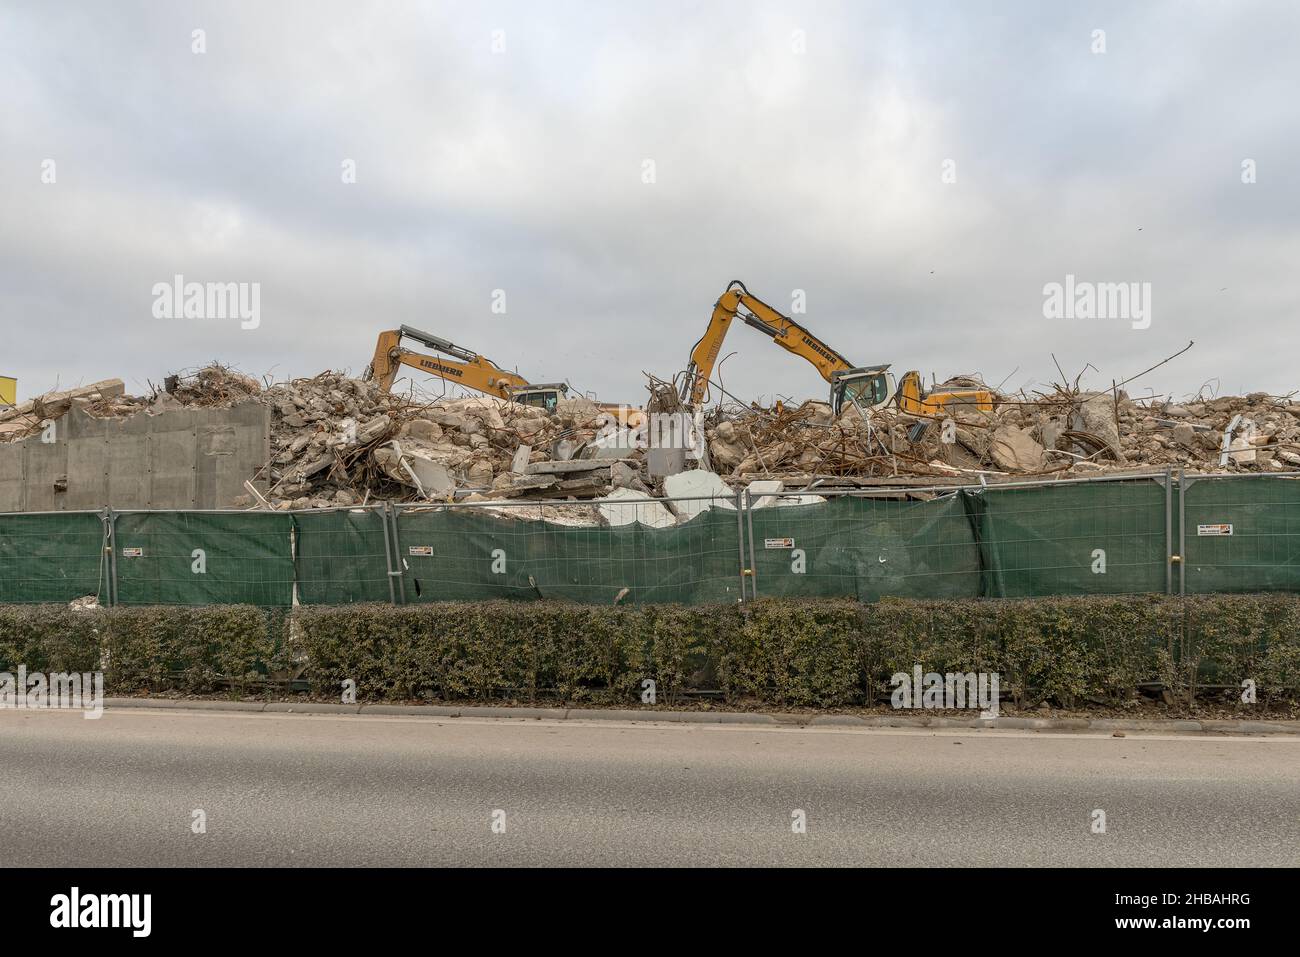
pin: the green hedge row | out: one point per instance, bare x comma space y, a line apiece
804, 653
151, 648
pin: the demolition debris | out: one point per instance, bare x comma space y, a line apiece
340, 441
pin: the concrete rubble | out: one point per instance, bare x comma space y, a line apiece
1065, 434
337, 441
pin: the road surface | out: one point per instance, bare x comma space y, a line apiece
284, 789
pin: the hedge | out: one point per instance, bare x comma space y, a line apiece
787, 652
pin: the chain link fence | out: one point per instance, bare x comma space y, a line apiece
1163, 533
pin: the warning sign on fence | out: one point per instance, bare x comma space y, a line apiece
133, 553
422, 551
778, 543
1213, 529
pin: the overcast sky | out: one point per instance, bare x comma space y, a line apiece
794, 146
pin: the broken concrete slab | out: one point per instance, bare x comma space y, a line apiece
624, 507
762, 491
572, 466
54, 404
1015, 450
617, 444
764, 494
623, 475
519, 463
697, 491
1097, 415
415, 466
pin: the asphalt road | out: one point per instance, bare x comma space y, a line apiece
350, 790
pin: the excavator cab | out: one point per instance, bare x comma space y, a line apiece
869, 387
546, 396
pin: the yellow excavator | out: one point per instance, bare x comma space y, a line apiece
473, 371
867, 387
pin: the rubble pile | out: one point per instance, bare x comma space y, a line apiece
1066, 433
340, 441
336, 440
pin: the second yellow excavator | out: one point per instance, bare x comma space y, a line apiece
867, 387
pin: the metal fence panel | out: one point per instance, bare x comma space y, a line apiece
1086, 538
1237, 534
342, 556
864, 547
467, 552
52, 557
200, 558
1241, 534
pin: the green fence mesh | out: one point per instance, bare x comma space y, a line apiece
1078, 539
865, 548
468, 553
242, 558
341, 557
52, 557
1242, 534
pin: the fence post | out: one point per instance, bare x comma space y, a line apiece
740, 538
1169, 536
1182, 531
753, 564
392, 551
110, 545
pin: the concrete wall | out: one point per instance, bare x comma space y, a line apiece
183, 458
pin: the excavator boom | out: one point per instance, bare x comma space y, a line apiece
782, 330
465, 367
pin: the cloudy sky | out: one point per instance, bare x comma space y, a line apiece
920, 170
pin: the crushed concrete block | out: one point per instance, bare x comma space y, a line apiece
479, 473
1015, 450
622, 475
818, 413
618, 444
624, 506
415, 466
374, 429
425, 429
761, 491
727, 447
692, 486
314, 467
51, 405
1097, 415
564, 449
520, 461
763, 494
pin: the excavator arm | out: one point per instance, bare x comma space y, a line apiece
465, 368
783, 330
